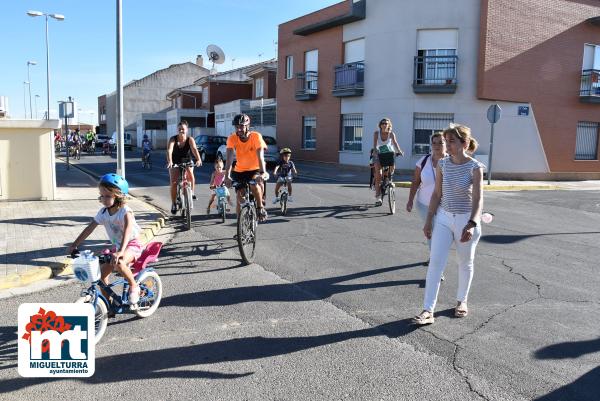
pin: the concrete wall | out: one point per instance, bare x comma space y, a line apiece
148, 95
390, 34
27, 170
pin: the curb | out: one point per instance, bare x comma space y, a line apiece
31, 276
545, 187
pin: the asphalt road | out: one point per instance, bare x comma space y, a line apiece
324, 314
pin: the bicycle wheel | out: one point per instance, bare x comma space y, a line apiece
100, 315
391, 198
283, 203
246, 233
187, 207
223, 212
150, 294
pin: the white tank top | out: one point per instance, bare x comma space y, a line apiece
387, 143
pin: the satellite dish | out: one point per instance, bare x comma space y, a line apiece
215, 54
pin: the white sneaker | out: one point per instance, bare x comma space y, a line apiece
290, 199
378, 202
134, 295
275, 200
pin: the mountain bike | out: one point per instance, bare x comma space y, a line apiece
105, 300
247, 222
184, 201
387, 185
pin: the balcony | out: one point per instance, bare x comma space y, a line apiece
589, 91
349, 79
307, 85
435, 74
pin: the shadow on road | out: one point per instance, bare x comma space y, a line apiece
512, 239
167, 362
309, 290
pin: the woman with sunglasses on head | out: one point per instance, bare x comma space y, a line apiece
455, 205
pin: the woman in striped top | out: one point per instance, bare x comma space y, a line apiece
455, 205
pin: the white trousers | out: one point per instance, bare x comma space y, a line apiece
423, 211
447, 230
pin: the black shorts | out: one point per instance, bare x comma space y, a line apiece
242, 177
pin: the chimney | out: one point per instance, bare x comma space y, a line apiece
199, 61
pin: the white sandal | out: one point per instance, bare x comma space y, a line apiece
425, 317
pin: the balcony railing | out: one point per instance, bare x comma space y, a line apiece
589, 91
307, 85
349, 79
435, 74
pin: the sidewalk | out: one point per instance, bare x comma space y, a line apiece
360, 174
34, 234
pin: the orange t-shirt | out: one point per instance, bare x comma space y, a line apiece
245, 152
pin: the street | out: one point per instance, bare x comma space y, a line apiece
325, 311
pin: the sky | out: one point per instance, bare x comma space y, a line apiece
156, 34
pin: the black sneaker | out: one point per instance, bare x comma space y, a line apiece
173, 209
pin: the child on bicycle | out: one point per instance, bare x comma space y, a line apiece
146, 148
122, 229
216, 180
283, 170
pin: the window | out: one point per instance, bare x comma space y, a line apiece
435, 68
289, 67
205, 95
586, 145
354, 51
425, 124
591, 57
259, 86
436, 52
309, 128
352, 132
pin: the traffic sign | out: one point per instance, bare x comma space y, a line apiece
493, 113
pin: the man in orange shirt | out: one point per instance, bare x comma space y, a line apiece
250, 165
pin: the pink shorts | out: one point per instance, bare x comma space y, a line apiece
135, 247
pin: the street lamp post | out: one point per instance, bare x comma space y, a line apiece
29, 79
79, 119
35, 100
58, 17
25, 83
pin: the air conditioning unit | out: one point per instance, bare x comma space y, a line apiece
3, 106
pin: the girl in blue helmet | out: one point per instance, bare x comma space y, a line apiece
121, 227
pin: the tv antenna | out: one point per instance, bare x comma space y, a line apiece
216, 55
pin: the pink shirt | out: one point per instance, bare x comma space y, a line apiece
218, 178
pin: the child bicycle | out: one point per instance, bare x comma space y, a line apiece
283, 193
184, 201
222, 194
106, 302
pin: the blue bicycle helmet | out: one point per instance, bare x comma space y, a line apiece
117, 181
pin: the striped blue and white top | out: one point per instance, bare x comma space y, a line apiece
457, 185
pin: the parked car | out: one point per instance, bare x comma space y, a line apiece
271, 154
100, 139
208, 145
